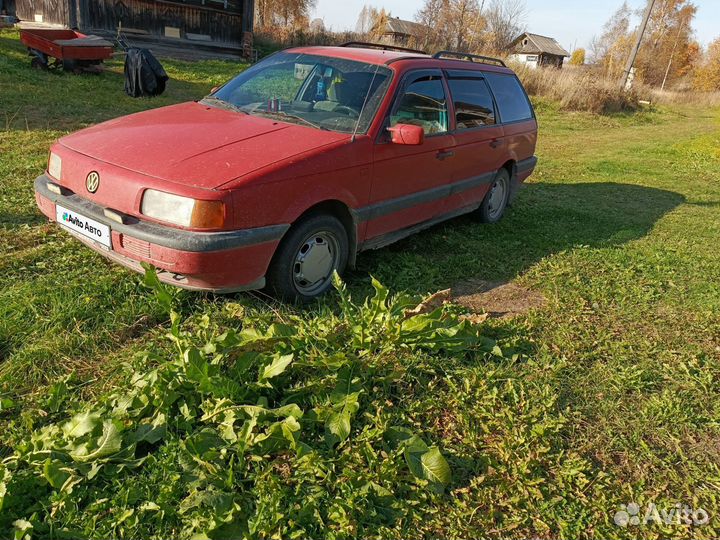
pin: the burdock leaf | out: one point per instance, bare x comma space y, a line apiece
162, 291
276, 367
81, 424
435, 467
54, 474
427, 463
338, 424
109, 443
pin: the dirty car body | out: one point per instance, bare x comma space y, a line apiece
289, 170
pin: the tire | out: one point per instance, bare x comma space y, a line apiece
304, 263
495, 203
36, 63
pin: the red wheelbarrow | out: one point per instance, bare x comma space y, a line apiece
68, 49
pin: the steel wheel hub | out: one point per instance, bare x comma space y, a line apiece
497, 198
315, 262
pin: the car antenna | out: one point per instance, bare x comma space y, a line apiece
362, 109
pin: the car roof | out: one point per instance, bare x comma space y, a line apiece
369, 56
386, 57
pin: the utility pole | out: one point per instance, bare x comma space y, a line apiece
636, 48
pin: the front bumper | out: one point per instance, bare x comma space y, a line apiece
221, 262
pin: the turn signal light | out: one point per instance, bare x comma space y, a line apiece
208, 215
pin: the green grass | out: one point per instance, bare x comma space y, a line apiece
608, 395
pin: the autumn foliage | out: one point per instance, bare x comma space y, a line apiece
707, 75
578, 57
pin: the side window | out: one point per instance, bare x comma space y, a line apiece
511, 98
423, 104
474, 105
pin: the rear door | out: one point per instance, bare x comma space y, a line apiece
518, 120
480, 147
410, 182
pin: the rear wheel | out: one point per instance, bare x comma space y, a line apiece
495, 203
306, 259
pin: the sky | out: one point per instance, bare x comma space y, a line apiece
569, 21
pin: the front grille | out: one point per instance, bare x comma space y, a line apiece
137, 247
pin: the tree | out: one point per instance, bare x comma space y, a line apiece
365, 20
505, 22
283, 12
612, 48
668, 53
452, 24
317, 26
707, 75
578, 57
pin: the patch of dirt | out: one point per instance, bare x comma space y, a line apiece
498, 299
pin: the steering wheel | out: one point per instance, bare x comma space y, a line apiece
344, 109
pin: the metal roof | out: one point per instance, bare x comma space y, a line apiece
537, 44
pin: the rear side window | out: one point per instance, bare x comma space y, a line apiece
511, 98
474, 105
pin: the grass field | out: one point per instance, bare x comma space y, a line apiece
608, 395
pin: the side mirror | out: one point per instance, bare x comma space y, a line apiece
407, 134
214, 89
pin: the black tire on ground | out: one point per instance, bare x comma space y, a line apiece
303, 265
495, 203
71, 65
37, 63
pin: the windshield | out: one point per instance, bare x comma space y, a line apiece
318, 91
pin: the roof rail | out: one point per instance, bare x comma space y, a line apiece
470, 57
381, 46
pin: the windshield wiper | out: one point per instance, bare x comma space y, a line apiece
283, 114
221, 104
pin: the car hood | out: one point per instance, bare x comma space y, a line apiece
197, 145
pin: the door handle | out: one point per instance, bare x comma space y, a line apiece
496, 143
445, 154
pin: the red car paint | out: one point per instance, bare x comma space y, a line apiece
270, 173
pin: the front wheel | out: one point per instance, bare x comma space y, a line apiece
495, 203
306, 259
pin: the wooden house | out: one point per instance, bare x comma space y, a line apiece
395, 31
538, 51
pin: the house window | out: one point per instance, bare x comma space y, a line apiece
531, 58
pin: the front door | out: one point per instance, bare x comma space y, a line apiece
410, 182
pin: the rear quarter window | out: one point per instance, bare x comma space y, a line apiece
512, 101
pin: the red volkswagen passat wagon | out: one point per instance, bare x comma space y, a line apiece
285, 173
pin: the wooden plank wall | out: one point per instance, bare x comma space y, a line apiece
53, 11
222, 25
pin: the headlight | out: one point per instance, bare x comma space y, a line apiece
55, 166
183, 211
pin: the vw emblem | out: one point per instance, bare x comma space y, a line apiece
92, 182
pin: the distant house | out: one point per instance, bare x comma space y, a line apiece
537, 51
224, 22
399, 32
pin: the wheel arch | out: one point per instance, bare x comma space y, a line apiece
511, 167
344, 214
